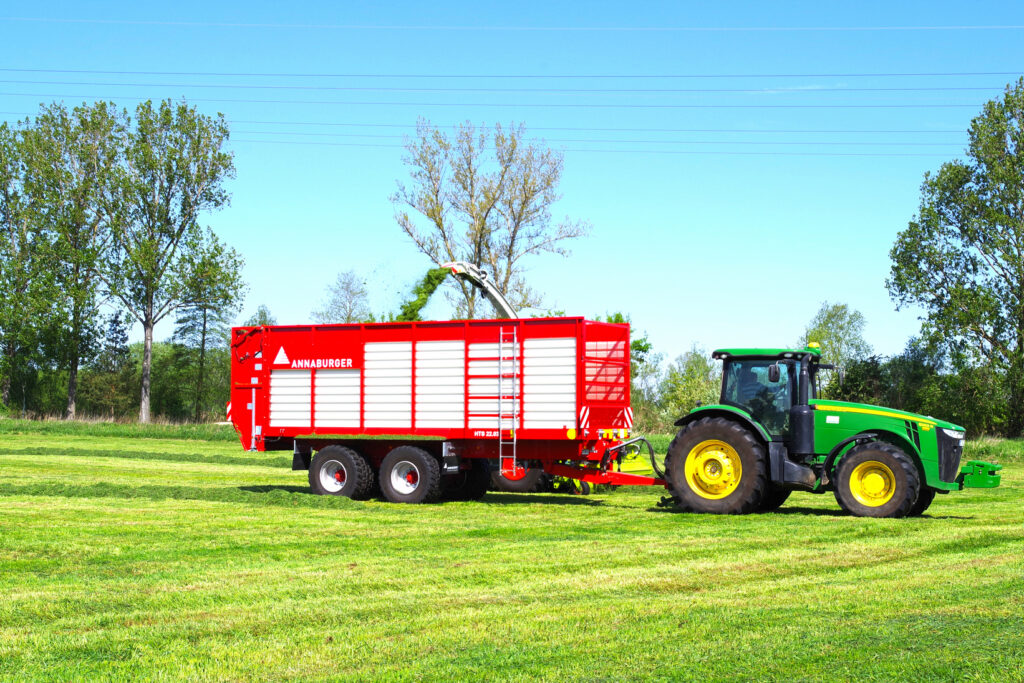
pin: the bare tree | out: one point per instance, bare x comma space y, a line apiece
346, 301
484, 197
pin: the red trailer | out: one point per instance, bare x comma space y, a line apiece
421, 408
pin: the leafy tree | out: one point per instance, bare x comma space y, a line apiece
26, 269
108, 377
346, 302
840, 332
214, 292
692, 377
174, 169
71, 160
262, 316
485, 199
961, 258
645, 375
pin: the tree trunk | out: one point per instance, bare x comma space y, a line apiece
1015, 410
147, 361
5, 383
202, 368
76, 351
69, 413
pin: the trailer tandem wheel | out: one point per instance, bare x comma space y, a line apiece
471, 484
340, 471
410, 475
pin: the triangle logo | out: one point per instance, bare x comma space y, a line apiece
281, 358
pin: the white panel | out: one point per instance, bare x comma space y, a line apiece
387, 385
337, 398
440, 383
290, 398
549, 383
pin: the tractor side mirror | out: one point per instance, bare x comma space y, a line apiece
773, 373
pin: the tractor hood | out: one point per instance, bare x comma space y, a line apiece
866, 409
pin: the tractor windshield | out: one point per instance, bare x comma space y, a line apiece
746, 384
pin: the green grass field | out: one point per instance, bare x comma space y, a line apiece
127, 556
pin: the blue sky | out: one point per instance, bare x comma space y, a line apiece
768, 173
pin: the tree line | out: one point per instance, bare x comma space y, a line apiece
99, 211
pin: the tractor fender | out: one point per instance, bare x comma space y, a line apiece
893, 438
729, 413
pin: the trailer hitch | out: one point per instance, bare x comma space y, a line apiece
625, 444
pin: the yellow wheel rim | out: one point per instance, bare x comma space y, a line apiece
872, 483
713, 469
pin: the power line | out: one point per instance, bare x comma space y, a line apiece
571, 29
520, 76
857, 143
626, 151
572, 91
580, 129
616, 130
526, 105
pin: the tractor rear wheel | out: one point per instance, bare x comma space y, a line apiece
877, 479
716, 465
924, 499
410, 475
340, 471
774, 497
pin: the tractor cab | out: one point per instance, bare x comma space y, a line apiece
766, 384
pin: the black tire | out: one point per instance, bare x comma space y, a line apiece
747, 491
535, 481
871, 464
350, 473
774, 497
420, 471
924, 499
470, 484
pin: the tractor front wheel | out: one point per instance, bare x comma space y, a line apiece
877, 480
924, 499
716, 465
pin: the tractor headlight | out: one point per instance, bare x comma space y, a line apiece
953, 434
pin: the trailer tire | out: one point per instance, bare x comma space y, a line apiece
340, 471
717, 466
877, 479
774, 497
410, 475
924, 499
534, 481
471, 484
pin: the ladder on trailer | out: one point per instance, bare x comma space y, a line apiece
508, 397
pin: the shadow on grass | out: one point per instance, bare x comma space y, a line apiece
499, 498
269, 488
256, 496
790, 510
245, 461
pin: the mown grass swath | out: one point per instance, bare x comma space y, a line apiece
144, 556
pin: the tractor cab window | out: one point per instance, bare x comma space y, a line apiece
746, 384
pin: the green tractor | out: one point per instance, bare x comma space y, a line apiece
770, 435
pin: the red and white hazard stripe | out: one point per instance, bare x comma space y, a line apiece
584, 417
229, 410
628, 413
